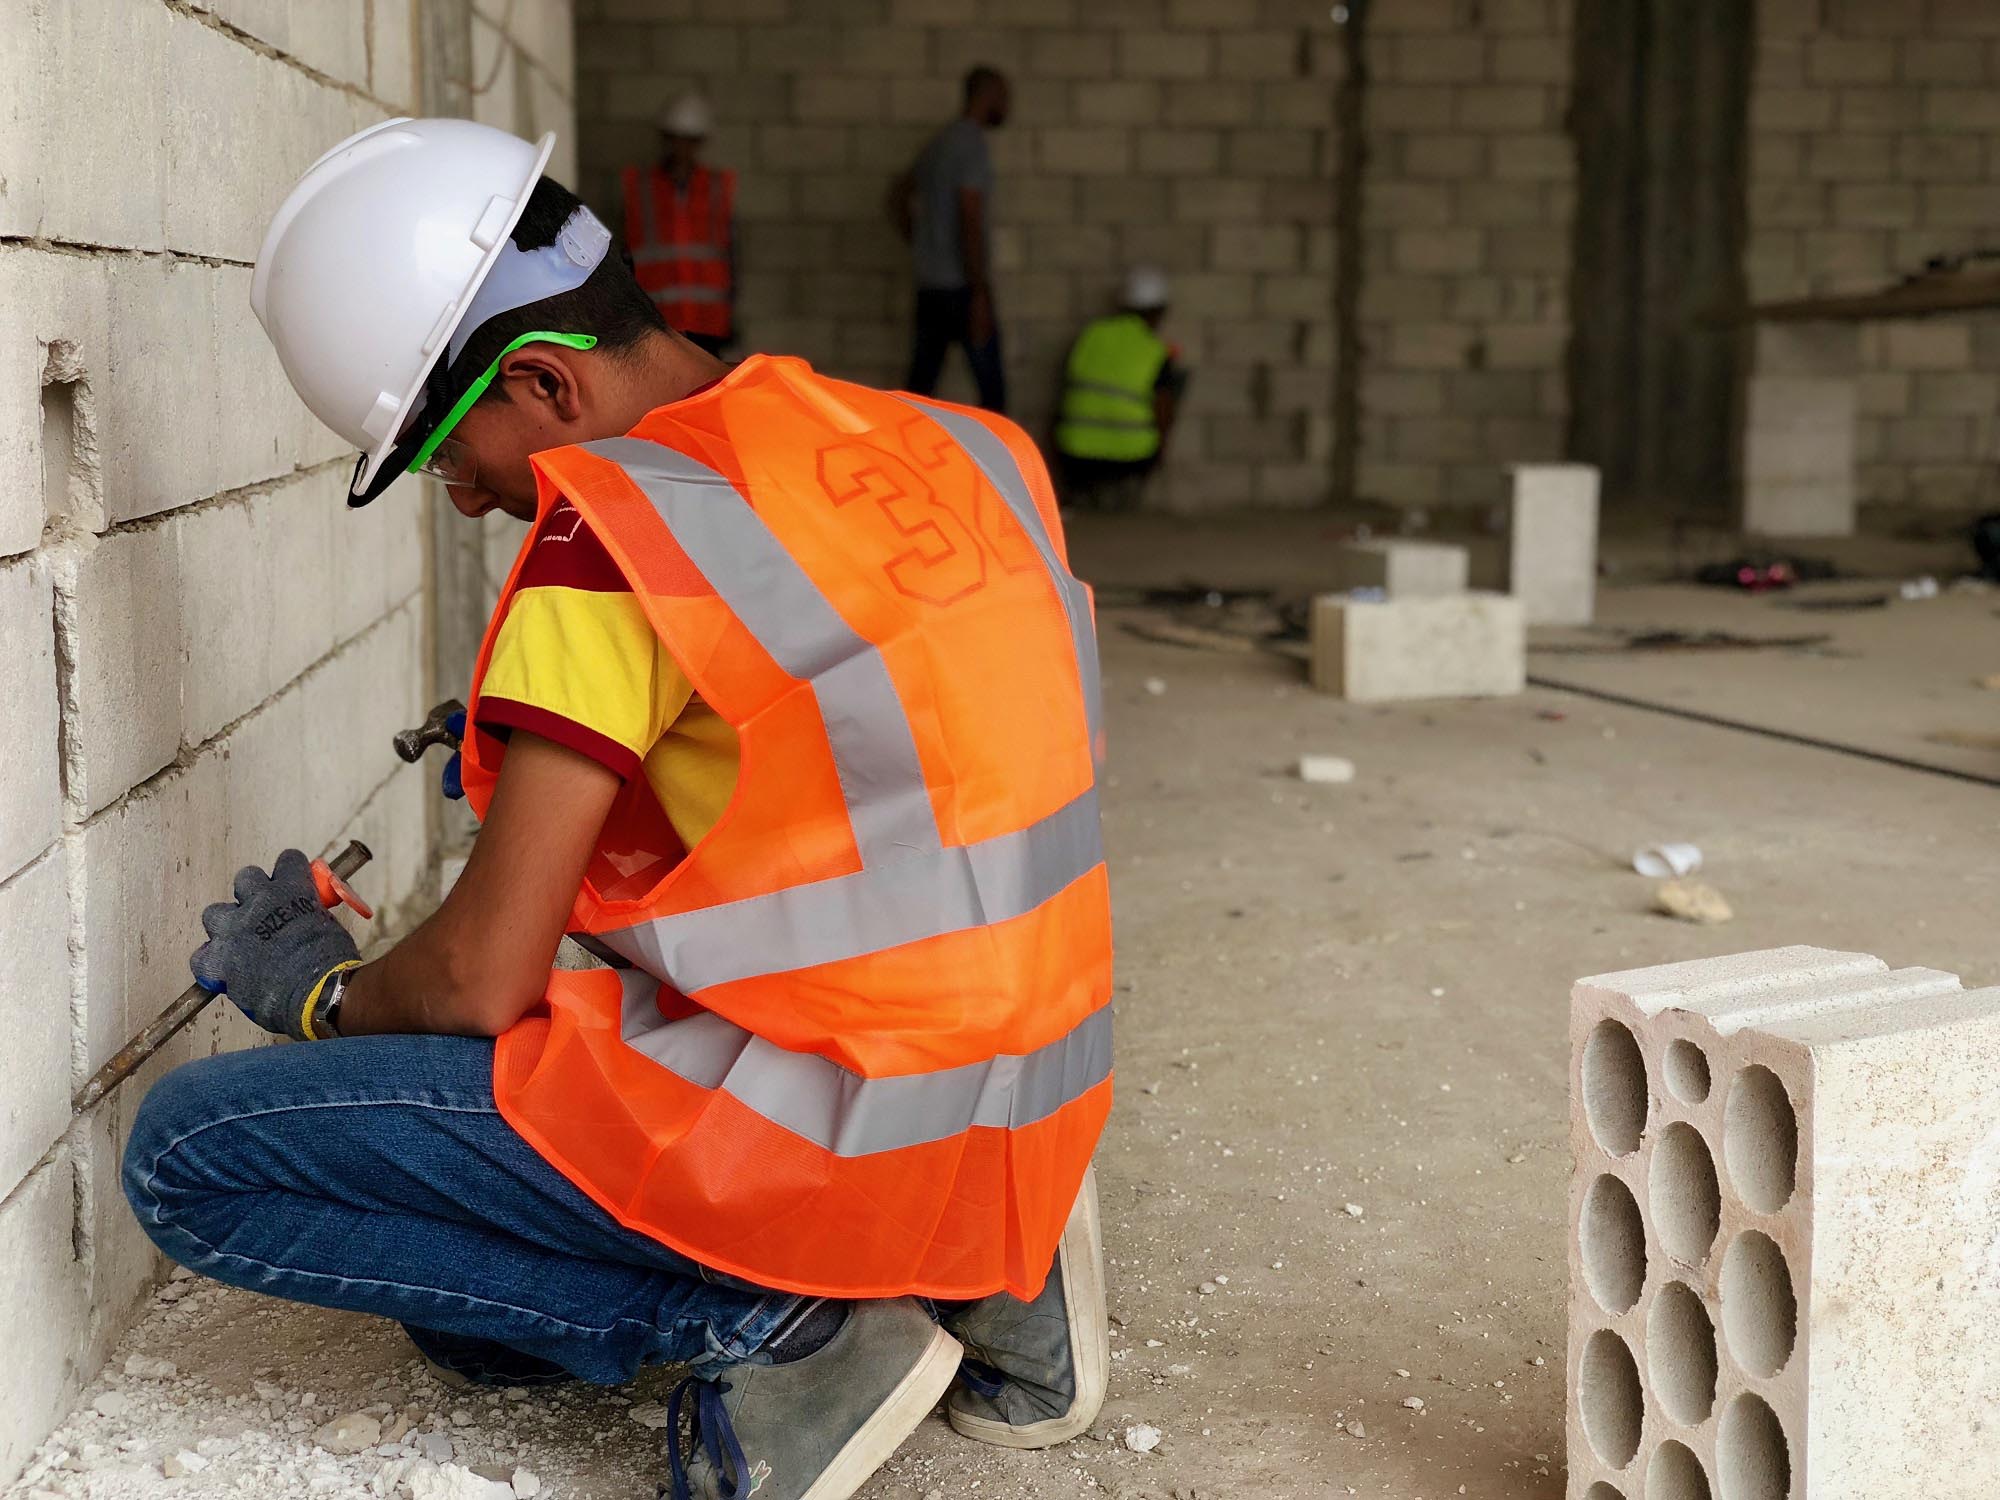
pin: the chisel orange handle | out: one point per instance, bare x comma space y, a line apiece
333, 891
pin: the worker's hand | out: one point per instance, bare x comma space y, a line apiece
271, 948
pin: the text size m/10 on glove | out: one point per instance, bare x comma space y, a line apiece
269, 949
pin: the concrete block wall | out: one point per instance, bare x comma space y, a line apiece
1192, 134
1782, 1250
205, 652
1875, 145
1466, 206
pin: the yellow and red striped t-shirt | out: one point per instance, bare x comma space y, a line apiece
577, 662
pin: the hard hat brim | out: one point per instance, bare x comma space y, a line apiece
379, 469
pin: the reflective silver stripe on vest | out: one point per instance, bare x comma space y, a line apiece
874, 752
682, 291
850, 1115
663, 254
998, 465
1099, 388
1112, 423
885, 906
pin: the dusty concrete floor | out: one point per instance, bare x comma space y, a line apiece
1328, 996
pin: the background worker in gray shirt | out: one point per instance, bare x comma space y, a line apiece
943, 206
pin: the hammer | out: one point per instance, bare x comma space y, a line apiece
435, 730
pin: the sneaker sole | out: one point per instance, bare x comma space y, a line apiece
894, 1420
1089, 1337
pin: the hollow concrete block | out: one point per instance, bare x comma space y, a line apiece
1552, 542
1785, 1231
1404, 570
1467, 646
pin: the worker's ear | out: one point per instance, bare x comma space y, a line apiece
542, 378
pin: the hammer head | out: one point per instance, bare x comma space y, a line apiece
435, 730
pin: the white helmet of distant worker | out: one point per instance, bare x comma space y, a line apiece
390, 252
1146, 289
689, 117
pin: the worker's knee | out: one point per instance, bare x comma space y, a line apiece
177, 1108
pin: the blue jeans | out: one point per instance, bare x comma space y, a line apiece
375, 1174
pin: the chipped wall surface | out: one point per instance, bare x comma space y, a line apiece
206, 651
1196, 135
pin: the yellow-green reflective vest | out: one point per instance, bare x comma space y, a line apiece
1107, 405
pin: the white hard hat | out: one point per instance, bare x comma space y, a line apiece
1146, 288
371, 265
688, 116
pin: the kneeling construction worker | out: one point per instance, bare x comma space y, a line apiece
1122, 387
790, 705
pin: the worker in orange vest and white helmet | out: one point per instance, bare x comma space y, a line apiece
789, 707
680, 226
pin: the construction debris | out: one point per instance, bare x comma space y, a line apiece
1691, 901
1329, 770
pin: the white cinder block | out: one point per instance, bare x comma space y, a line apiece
1404, 570
157, 437
122, 595
269, 21
392, 53
43, 1313
248, 632
150, 865
24, 122
1552, 542
34, 1016
30, 788
102, 169
331, 39
1470, 646
1785, 1248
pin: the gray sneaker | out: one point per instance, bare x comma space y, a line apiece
817, 1428
1035, 1372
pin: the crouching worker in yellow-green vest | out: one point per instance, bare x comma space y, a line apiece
1121, 388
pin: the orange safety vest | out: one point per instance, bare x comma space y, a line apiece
864, 1049
680, 245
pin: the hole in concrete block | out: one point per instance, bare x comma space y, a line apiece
1681, 1356
1752, 1461
1686, 1071
1614, 1088
1610, 1399
1676, 1474
1760, 1139
1611, 1245
1603, 1491
1760, 1310
69, 447
1685, 1196
58, 446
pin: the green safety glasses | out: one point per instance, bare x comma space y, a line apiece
444, 456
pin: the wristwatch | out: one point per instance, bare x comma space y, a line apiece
326, 1015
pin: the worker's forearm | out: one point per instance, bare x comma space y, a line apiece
436, 981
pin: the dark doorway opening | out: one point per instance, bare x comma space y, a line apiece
1660, 113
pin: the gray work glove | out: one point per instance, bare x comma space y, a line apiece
270, 948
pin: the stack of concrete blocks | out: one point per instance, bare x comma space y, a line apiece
1872, 150
1401, 569
1799, 430
1785, 1231
1195, 135
1412, 630
205, 650
1552, 542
